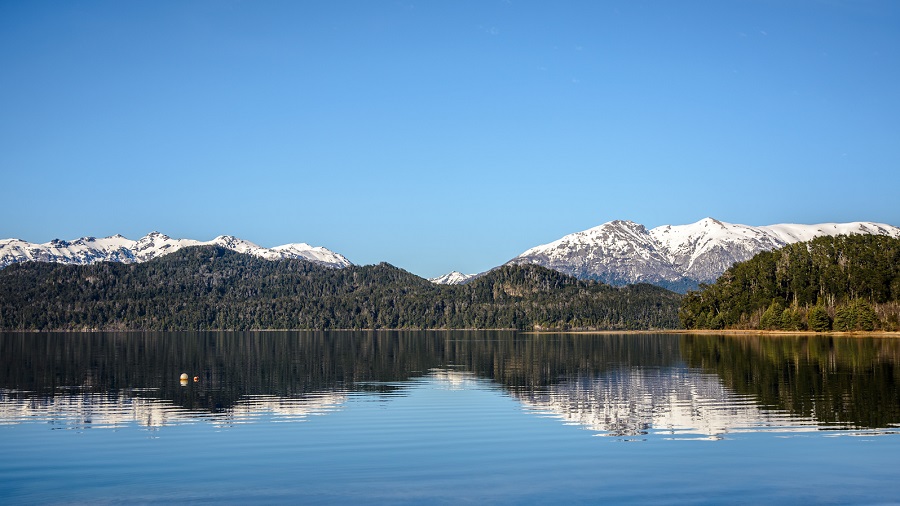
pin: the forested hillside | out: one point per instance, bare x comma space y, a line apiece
213, 288
840, 283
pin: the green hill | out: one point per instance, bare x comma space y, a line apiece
840, 283
210, 288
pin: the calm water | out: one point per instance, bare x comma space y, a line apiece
448, 417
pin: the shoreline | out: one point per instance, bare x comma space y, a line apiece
730, 332
733, 332
834, 333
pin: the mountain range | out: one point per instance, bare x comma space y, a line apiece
678, 257
116, 248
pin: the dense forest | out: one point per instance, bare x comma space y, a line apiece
842, 283
211, 288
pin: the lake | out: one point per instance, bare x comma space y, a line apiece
448, 417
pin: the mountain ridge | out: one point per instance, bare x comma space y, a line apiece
678, 257
117, 248
619, 252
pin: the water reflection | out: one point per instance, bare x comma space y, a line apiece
838, 382
674, 402
92, 410
627, 386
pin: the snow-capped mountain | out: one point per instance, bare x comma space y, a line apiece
452, 278
120, 249
618, 252
679, 256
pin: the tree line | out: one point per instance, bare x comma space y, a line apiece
842, 283
211, 288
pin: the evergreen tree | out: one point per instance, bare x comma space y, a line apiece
771, 317
791, 320
819, 319
856, 315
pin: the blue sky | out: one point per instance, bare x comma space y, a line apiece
443, 135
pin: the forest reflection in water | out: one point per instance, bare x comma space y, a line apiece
621, 385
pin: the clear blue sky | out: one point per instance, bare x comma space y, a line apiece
443, 135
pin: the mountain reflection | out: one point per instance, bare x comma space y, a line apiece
73, 411
675, 402
618, 385
840, 382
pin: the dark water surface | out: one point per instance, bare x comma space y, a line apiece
448, 417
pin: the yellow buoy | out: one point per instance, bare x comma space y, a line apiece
184, 376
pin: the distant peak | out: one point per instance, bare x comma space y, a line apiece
452, 278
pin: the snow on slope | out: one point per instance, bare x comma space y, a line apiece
316, 254
706, 249
615, 252
452, 278
622, 252
79, 251
791, 233
155, 244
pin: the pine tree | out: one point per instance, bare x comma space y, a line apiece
791, 320
771, 317
819, 320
